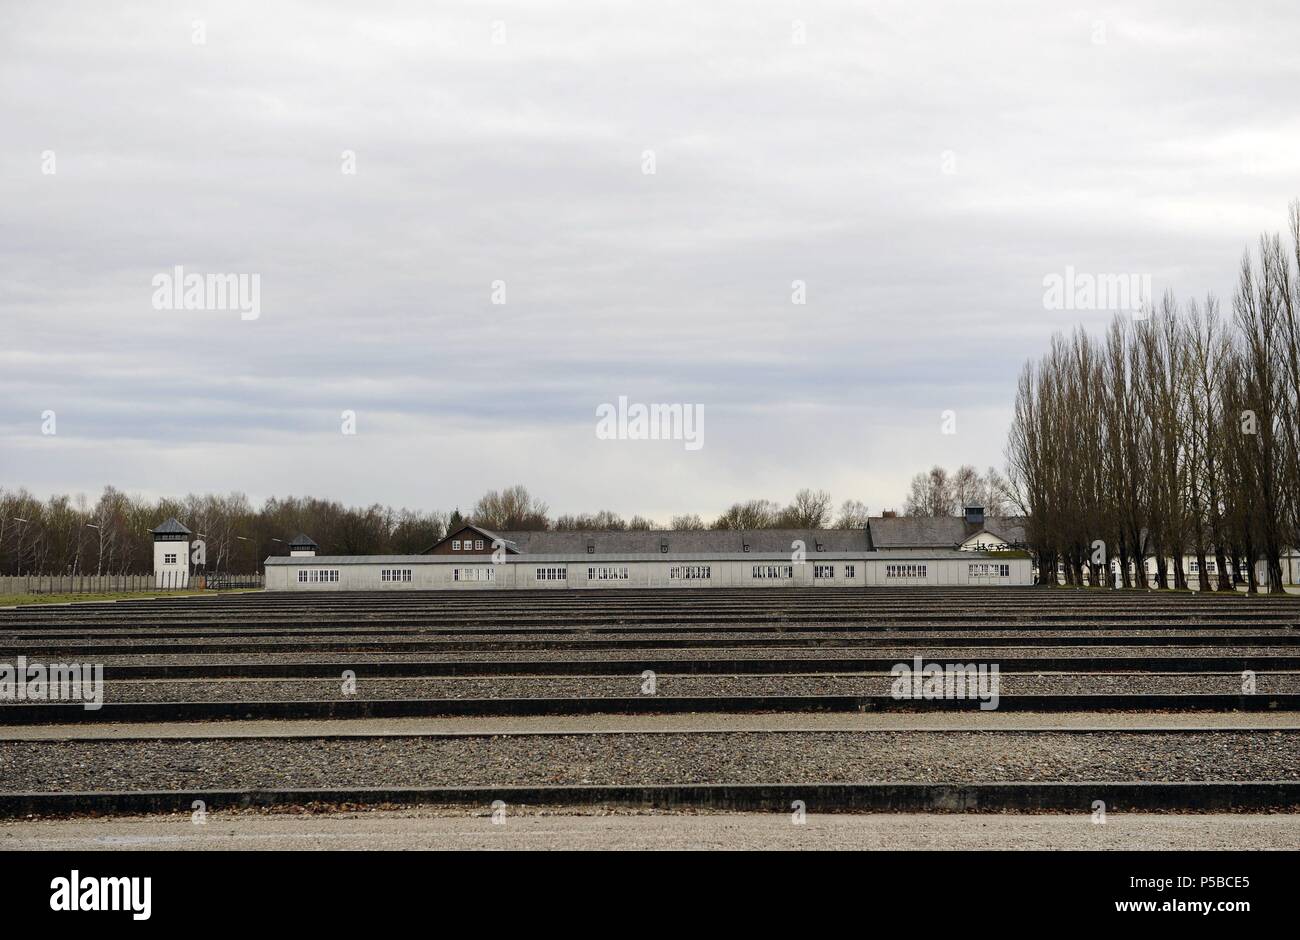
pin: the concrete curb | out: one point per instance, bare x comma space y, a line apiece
741, 620
72, 713
618, 667
1071, 797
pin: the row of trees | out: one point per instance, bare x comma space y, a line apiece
72, 535
515, 509
1177, 433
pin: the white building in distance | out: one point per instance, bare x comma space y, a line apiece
963, 551
171, 555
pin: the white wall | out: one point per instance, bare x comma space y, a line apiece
171, 574
517, 574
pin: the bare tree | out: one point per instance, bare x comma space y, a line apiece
753, 514
809, 510
931, 495
1259, 308
511, 509
690, 522
853, 515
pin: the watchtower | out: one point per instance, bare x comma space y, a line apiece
171, 555
302, 546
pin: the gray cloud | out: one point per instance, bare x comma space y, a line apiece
1164, 150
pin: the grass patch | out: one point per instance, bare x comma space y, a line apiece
1290, 590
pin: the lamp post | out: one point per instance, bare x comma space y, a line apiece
99, 552
18, 555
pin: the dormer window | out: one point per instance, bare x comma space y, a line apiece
821, 547
746, 546
663, 546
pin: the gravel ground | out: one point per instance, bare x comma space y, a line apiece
902, 654
585, 829
726, 757
250, 690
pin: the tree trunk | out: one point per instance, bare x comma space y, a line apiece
1275, 585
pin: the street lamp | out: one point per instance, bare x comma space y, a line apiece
19, 561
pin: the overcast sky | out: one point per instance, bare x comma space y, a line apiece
921, 167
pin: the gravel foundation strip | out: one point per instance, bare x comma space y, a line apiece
644, 759
902, 654
303, 690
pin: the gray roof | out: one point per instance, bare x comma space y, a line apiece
302, 539
583, 558
685, 541
926, 532
171, 527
